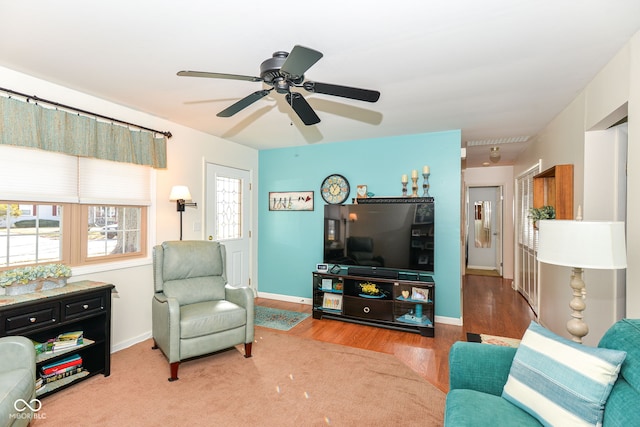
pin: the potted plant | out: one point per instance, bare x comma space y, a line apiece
545, 212
28, 279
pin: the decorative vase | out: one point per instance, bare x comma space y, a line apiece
35, 286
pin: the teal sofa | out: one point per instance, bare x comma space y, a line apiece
17, 381
478, 373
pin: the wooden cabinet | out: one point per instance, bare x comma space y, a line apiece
554, 187
81, 306
406, 303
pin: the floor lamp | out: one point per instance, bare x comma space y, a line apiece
581, 244
180, 194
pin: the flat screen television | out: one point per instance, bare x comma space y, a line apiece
397, 236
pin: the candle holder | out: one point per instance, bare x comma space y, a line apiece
414, 186
425, 185
404, 189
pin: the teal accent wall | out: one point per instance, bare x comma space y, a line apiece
290, 243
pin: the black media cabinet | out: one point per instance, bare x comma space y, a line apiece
405, 302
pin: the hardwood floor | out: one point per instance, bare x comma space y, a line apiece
490, 306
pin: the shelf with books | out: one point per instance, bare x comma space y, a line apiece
47, 355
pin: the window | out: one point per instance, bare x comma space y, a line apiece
29, 234
113, 231
72, 210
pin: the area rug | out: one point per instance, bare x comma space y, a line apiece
493, 339
289, 381
275, 318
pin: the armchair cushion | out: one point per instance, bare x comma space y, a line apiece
210, 317
557, 380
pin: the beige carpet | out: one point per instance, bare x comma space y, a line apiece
289, 381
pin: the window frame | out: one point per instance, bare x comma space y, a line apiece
74, 234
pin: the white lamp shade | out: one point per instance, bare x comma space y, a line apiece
179, 192
582, 244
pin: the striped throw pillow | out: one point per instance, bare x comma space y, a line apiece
560, 382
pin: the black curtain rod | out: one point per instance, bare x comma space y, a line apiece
89, 113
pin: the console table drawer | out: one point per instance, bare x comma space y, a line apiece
81, 307
24, 321
367, 308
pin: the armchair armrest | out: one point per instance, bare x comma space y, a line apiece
165, 317
243, 296
17, 352
480, 367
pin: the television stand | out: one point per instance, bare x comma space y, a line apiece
404, 303
372, 272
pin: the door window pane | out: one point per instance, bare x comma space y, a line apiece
228, 208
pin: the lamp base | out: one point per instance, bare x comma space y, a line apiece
577, 327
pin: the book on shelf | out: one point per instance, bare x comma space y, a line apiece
72, 361
61, 342
58, 375
68, 340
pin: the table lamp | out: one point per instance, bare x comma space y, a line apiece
581, 244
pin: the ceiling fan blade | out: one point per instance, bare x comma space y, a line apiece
300, 60
302, 108
343, 91
243, 103
218, 76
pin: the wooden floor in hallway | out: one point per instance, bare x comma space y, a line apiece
490, 306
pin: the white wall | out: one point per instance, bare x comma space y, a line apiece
600, 104
498, 176
187, 151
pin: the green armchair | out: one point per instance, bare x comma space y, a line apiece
479, 372
194, 311
17, 381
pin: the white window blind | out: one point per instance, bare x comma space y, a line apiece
113, 183
37, 175
45, 176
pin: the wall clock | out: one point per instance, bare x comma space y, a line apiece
335, 189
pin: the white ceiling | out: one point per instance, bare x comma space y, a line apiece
494, 68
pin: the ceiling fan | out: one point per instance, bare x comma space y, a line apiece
283, 71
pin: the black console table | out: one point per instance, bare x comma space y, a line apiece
80, 306
405, 303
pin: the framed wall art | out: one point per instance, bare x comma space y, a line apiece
291, 200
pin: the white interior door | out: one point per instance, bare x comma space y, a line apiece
485, 234
228, 218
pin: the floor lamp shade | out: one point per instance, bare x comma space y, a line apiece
581, 244
584, 244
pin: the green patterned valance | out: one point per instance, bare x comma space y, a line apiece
27, 124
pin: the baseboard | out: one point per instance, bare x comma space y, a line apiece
480, 267
448, 320
287, 298
132, 341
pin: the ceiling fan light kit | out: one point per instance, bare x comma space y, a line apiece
494, 155
282, 72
